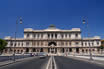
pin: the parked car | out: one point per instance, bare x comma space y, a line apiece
42, 55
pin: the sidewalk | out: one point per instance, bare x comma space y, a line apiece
96, 60
17, 60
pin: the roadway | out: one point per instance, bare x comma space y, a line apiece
69, 63
61, 63
35, 63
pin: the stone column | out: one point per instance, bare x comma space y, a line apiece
13, 44
58, 51
44, 36
50, 36
40, 36
74, 51
50, 50
47, 36
67, 36
36, 36
30, 50
68, 50
64, 36
31, 35
53, 36
57, 43
80, 51
72, 36
8, 44
54, 50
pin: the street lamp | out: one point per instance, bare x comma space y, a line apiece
85, 21
18, 18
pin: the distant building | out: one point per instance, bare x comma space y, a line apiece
54, 41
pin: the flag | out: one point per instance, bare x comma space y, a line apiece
20, 20
84, 21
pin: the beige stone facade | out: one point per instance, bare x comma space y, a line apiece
54, 41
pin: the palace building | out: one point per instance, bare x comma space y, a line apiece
52, 40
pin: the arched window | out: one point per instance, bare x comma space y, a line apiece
86, 50
27, 49
62, 43
70, 49
69, 43
41, 50
55, 35
97, 43
85, 44
52, 43
76, 43
21, 51
48, 35
34, 50
52, 35
69, 35
62, 36
82, 43
18, 51
22, 43
93, 49
18, 43
83, 50
11, 43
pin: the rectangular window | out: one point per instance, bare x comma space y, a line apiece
77, 43
69, 43
69, 35
18, 43
34, 35
22, 43
76, 35
27, 35
82, 43
27, 43
97, 43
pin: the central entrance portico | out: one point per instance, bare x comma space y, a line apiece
52, 49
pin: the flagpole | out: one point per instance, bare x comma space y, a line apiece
16, 35
85, 20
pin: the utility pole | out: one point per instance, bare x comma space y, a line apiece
85, 21
16, 36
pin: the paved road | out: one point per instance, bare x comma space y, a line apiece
68, 63
6, 58
35, 63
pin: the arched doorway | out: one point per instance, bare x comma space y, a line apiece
52, 48
27, 50
77, 50
34, 50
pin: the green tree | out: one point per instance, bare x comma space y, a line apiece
101, 47
3, 44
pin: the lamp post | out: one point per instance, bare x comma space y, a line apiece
16, 34
85, 21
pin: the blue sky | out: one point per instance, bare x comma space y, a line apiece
39, 14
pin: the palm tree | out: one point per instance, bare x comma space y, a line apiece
3, 44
